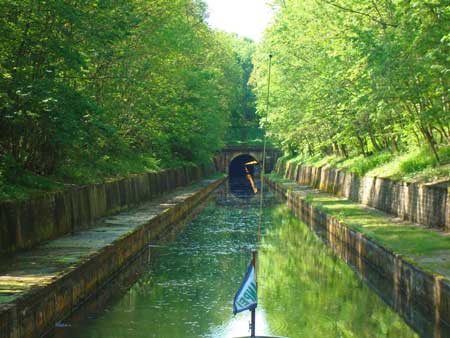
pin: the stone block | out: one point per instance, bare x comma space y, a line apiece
420, 203
23, 224
422, 299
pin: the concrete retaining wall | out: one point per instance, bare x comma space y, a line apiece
426, 204
420, 297
24, 224
37, 312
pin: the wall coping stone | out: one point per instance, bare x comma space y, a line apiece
406, 271
422, 203
77, 266
27, 223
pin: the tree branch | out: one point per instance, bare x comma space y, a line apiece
383, 23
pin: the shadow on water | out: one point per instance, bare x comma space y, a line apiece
184, 286
241, 187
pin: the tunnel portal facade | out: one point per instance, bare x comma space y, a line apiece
231, 159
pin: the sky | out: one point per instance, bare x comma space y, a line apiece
247, 18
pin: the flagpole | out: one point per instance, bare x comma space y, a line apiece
253, 311
263, 171
261, 197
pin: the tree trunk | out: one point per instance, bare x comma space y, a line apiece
361, 145
431, 141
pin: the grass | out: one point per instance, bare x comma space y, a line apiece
84, 172
56, 256
418, 165
19, 184
402, 238
409, 240
252, 142
26, 185
277, 178
7, 298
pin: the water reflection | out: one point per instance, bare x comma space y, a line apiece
187, 290
241, 187
311, 293
239, 325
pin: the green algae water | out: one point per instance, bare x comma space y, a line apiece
188, 282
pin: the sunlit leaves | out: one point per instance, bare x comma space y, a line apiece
357, 76
90, 80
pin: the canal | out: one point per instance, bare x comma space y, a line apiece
183, 286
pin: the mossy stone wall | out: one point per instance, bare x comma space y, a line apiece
38, 310
426, 204
422, 298
24, 224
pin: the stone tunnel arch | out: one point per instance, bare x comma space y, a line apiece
236, 167
223, 159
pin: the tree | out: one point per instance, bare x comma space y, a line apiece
357, 76
94, 83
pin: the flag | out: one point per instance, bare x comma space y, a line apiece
246, 297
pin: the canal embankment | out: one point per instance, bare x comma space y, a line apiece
186, 283
412, 261
423, 203
43, 285
26, 223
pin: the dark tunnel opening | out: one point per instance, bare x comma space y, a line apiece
237, 166
240, 185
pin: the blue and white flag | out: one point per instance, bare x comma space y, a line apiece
246, 297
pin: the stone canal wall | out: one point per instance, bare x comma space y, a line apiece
426, 204
37, 311
423, 299
24, 224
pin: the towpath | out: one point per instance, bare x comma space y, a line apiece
425, 247
23, 274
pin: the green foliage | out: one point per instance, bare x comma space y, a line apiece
418, 164
356, 78
98, 88
244, 126
250, 135
361, 165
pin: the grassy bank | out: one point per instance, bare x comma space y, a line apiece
16, 183
418, 244
418, 165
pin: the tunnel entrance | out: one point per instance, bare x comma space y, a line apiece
237, 166
241, 185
